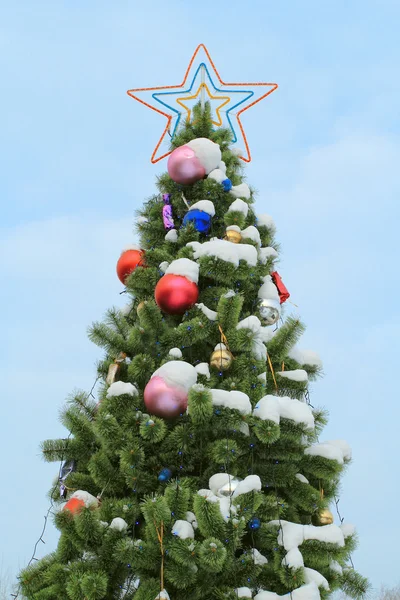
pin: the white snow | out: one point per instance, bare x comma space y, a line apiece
229, 294
208, 153
217, 481
335, 567
205, 205
348, 529
312, 576
163, 595
229, 488
293, 559
296, 375
268, 290
292, 535
183, 530
233, 228
305, 357
225, 251
191, 518
210, 314
233, 399
175, 353
218, 175
266, 221
171, 236
237, 151
141, 220
301, 478
273, 408
309, 591
262, 377
177, 372
119, 524
252, 233
253, 323
258, 558
118, 388
86, 498
131, 247
240, 191
225, 506
265, 253
244, 428
185, 267
222, 166
243, 592
239, 206
330, 450
344, 447
163, 266
203, 369
251, 483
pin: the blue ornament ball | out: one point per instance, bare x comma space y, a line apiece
165, 475
254, 523
227, 185
200, 219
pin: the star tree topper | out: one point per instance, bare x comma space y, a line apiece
175, 101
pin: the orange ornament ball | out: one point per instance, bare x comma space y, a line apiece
175, 294
128, 261
80, 500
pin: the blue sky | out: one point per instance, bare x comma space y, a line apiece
74, 165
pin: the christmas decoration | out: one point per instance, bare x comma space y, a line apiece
165, 475
323, 517
166, 394
80, 500
177, 290
128, 261
168, 219
269, 313
199, 77
193, 161
69, 466
280, 286
221, 358
254, 523
140, 306
233, 234
200, 215
114, 368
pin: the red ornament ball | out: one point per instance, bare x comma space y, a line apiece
79, 500
175, 294
127, 263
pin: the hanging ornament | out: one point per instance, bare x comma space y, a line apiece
164, 475
269, 313
193, 161
233, 234
177, 290
166, 394
168, 219
68, 467
114, 368
280, 286
80, 500
221, 358
254, 523
128, 261
200, 215
140, 306
323, 517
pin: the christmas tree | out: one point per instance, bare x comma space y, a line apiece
199, 473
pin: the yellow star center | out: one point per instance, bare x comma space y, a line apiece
204, 86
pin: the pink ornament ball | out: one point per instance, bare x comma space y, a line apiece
163, 400
184, 167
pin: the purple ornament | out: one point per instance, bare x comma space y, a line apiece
164, 400
184, 167
168, 219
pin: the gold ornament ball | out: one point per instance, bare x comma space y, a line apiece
323, 517
140, 306
233, 236
221, 359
